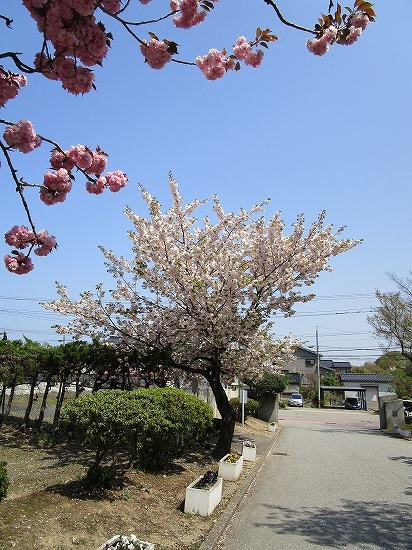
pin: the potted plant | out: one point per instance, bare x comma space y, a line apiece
204, 494
272, 426
230, 466
249, 451
119, 542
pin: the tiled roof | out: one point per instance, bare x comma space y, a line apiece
362, 377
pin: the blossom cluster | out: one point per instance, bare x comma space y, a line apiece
244, 52
190, 13
156, 53
55, 187
22, 136
356, 23
72, 29
21, 237
10, 84
215, 64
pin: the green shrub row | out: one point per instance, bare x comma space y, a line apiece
151, 425
251, 408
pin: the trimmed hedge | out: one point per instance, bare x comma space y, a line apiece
151, 425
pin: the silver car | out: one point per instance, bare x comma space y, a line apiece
296, 400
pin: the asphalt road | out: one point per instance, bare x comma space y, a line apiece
332, 480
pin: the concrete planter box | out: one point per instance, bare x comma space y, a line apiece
203, 501
118, 541
230, 470
272, 427
249, 453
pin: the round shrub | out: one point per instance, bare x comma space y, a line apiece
251, 408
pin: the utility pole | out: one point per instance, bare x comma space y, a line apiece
318, 364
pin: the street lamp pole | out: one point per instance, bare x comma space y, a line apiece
318, 364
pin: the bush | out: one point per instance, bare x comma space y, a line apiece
251, 408
147, 423
4, 481
269, 383
282, 404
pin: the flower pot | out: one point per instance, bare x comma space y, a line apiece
203, 501
249, 453
230, 471
272, 427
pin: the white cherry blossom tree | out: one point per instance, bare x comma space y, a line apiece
206, 292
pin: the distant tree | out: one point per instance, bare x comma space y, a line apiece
393, 360
269, 383
331, 379
392, 321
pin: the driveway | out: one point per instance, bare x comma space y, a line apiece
332, 480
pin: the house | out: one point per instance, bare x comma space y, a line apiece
338, 367
303, 370
373, 386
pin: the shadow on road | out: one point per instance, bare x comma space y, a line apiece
359, 524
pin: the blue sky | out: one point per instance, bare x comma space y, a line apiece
311, 133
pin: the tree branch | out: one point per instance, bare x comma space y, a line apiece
284, 21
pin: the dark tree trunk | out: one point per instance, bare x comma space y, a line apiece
3, 398
44, 403
59, 401
26, 418
6, 413
224, 440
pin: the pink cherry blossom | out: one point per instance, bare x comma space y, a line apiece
10, 84
22, 136
96, 187
55, 187
60, 159
116, 180
19, 264
354, 34
214, 64
19, 237
318, 46
49, 196
45, 66
156, 54
358, 19
98, 164
58, 181
45, 243
74, 78
112, 6
189, 13
81, 156
243, 51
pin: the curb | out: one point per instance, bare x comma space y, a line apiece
219, 529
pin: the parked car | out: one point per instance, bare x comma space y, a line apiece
296, 400
353, 403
